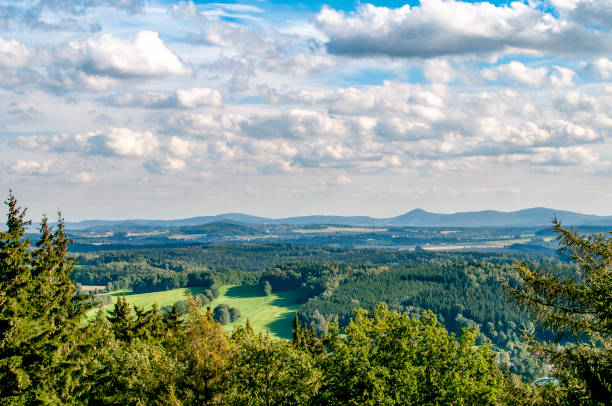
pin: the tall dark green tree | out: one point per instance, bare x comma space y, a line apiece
40, 316
579, 309
122, 322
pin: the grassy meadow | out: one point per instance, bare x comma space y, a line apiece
271, 314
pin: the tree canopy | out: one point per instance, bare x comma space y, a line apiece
579, 309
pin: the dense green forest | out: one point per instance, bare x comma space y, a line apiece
122, 267
462, 294
462, 289
376, 354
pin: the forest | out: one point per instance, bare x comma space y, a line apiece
462, 288
385, 348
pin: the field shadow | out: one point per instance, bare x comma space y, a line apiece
286, 298
242, 292
282, 326
126, 292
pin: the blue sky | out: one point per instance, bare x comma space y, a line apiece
166, 109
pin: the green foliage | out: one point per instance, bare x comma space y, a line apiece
579, 309
137, 355
386, 358
271, 372
40, 315
462, 294
222, 314
265, 287
205, 352
235, 314
138, 372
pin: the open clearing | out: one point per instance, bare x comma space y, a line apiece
146, 300
162, 298
272, 314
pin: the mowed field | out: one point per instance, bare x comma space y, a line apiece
271, 314
162, 298
146, 300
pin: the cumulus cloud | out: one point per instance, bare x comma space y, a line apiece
294, 124
191, 98
121, 142
566, 156
60, 15
449, 27
600, 68
293, 96
516, 72
180, 147
23, 113
241, 38
83, 177
562, 77
110, 56
597, 12
181, 99
204, 125
33, 168
393, 97
340, 180
301, 64
165, 165
439, 71
394, 126
14, 54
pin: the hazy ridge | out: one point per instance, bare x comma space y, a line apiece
538, 216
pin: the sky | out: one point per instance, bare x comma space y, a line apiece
115, 109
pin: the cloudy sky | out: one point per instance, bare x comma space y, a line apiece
171, 109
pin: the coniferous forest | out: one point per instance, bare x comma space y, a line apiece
374, 328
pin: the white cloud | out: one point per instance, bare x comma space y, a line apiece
562, 77
165, 165
180, 99
439, 71
565, 4
190, 98
124, 142
107, 55
14, 54
121, 142
83, 177
293, 96
204, 125
565, 156
448, 27
33, 168
426, 102
600, 68
294, 124
180, 147
517, 72
597, 12
342, 180
301, 64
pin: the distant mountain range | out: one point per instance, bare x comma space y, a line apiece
538, 216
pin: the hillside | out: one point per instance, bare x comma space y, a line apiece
533, 217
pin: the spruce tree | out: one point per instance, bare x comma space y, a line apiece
121, 320
40, 315
579, 309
